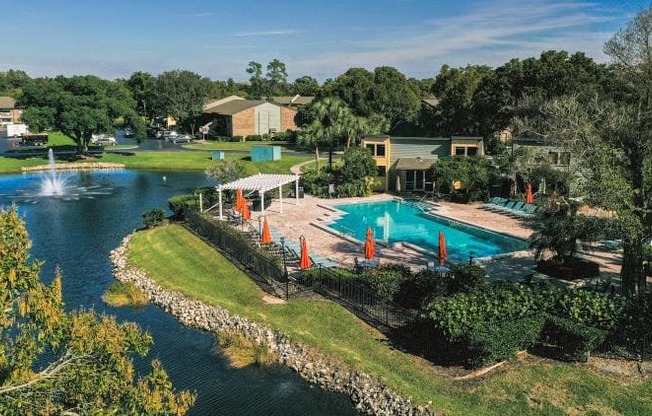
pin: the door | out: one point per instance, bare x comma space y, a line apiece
420, 181
263, 122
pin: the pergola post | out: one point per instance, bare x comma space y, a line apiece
296, 189
280, 196
219, 193
261, 194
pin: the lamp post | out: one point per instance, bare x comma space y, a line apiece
471, 258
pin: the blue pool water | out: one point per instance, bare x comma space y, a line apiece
394, 221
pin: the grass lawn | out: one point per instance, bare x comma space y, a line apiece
161, 160
197, 270
211, 145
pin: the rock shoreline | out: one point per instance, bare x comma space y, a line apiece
368, 393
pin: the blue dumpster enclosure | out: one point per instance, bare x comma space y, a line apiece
265, 153
218, 154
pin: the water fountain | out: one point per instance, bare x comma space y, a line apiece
53, 184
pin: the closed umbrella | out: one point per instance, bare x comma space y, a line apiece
246, 214
238, 200
265, 236
369, 251
528, 196
443, 253
305, 259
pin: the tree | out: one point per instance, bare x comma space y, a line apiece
143, 88
613, 139
58, 362
181, 95
12, 82
277, 78
305, 85
257, 82
226, 170
79, 107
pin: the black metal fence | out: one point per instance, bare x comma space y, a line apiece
354, 295
639, 348
271, 269
235, 245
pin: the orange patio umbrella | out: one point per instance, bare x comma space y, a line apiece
443, 253
369, 251
528, 196
265, 236
246, 214
305, 259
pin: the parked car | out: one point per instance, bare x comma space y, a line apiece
158, 135
181, 139
102, 140
168, 135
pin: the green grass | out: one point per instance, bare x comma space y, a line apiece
124, 294
209, 145
195, 269
161, 160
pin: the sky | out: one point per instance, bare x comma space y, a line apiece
324, 38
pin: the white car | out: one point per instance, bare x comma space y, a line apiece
181, 139
168, 135
102, 140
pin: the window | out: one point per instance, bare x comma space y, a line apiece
471, 151
564, 158
554, 157
460, 151
377, 150
382, 171
465, 150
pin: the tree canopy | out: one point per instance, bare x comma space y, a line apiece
56, 362
181, 94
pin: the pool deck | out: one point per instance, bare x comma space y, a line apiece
306, 218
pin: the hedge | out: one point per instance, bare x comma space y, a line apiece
180, 203
488, 343
575, 340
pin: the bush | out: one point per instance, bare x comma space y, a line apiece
415, 291
466, 278
180, 203
575, 340
153, 217
571, 269
253, 138
591, 308
501, 340
316, 183
352, 189
237, 139
384, 281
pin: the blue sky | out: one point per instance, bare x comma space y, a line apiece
218, 38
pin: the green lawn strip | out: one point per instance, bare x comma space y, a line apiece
197, 270
209, 145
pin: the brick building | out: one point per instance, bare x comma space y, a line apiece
9, 114
235, 116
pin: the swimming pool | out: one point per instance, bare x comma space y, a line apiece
394, 221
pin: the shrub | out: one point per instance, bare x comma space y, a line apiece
501, 340
352, 189
180, 203
242, 351
153, 217
237, 139
385, 282
575, 340
591, 308
466, 277
316, 183
420, 288
253, 138
124, 294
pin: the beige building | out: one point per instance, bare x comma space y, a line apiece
9, 114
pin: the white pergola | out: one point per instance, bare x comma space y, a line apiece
261, 183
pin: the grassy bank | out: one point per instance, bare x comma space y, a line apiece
242, 146
195, 269
158, 160
124, 294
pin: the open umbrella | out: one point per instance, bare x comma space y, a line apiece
369, 251
528, 195
265, 236
443, 253
246, 214
305, 259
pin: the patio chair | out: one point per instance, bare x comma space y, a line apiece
526, 211
505, 208
495, 202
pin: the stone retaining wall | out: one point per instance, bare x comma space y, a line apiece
368, 393
75, 166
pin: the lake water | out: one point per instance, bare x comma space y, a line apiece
77, 233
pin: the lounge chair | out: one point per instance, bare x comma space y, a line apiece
495, 202
505, 208
526, 211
